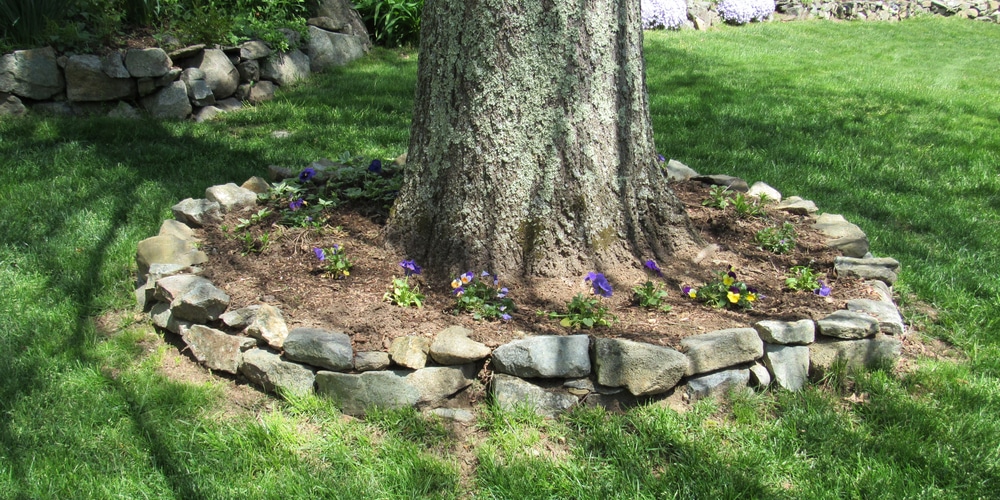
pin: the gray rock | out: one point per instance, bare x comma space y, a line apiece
257, 185
162, 317
33, 74
883, 291
323, 348
371, 361
456, 414
677, 171
789, 364
878, 351
49, 108
145, 86
721, 349
644, 369
882, 269
410, 351
511, 392
186, 52
797, 206
355, 394
199, 92
326, 49
733, 183
718, 383
176, 228
327, 24
124, 111
215, 349
87, 81
146, 283
231, 197
760, 188
167, 249
197, 213
207, 113
842, 235
268, 325
10, 105
847, 325
452, 346
889, 320
198, 302
437, 383
241, 318
259, 92
147, 63
799, 332
113, 65
220, 73
269, 371
254, 49
342, 13
249, 71
168, 78
545, 357
170, 102
759, 376
230, 104
287, 68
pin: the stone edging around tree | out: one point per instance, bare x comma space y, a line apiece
550, 373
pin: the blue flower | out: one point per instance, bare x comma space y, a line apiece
375, 167
505, 317
410, 267
307, 174
600, 284
651, 265
823, 290
320, 254
503, 293
296, 204
661, 158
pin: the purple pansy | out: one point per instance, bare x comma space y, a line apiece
651, 265
320, 254
307, 174
600, 284
823, 290
410, 267
375, 167
296, 204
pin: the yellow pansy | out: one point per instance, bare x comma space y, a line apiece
733, 297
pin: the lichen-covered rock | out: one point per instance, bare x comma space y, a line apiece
368, 361
510, 392
268, 325
889, 319
322, 348
717, 383
215, 349
197, 213
286, 68
789, 364
273, 374
87, 81
799, 332
452, 346
847, 325
231, 197
410, 351
878, 351
33, 74
356, 394
721, 349
644, 369
546, 356
147, 63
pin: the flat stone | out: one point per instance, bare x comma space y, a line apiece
889, 320
882, 269
162, 317
146, 283
268, 325
547, 356
717, 383
32, 74
371, 361
327, 24
170, 102
269, 371
231, 197
644, 369
254, 49
167, 249
355, 394
322, 348
215, 349
733, 183
759, 376
847, 325
147, 63
436, 383
789, 364
201, 303
677, 171
197, 213
186, 52
239, 319
797, 206
883, 291
207, 113
87, 81
842, 235
229, 104
456, 414
721, 349
510, 392
452, 346
410, 351
761, 188
878, 351
799, 332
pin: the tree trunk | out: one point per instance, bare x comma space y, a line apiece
531, 149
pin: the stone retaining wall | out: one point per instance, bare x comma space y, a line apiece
549, 373
704, 14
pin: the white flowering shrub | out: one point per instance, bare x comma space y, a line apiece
745, 11
669, 14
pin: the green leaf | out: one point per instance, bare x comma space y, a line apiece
568, 323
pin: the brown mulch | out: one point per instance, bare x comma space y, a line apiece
287, 275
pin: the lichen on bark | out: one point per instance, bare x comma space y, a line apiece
531, 147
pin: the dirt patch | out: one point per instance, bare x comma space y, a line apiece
287, 274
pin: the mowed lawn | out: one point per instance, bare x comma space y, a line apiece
893, 125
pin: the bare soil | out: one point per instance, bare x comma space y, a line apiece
286, 274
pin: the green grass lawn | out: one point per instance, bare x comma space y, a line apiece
893, 125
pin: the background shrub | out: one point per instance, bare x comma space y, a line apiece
392, 23
744, 11
669, 14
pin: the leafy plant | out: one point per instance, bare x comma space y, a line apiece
777, 240
482, 296
254, 219
587, 312
718, 197
650, 295
334, 261
804, 278
725, 291
392, 23
748, 207
402, 293
255, 244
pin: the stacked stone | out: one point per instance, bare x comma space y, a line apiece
196, 81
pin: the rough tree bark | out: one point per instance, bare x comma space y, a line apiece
531, 149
